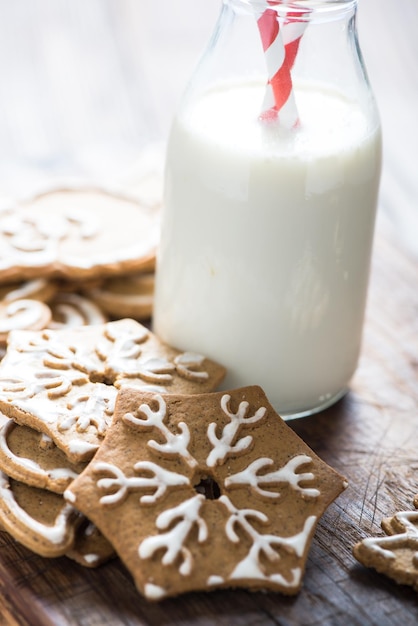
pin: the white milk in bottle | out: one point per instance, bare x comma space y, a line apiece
266, 239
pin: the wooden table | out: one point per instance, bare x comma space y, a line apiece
370, 436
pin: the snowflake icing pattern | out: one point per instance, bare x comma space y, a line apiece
166, 483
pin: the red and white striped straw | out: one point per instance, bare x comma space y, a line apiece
280, 45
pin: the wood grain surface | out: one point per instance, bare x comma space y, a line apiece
85, 87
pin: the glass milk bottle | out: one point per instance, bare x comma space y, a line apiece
272, 177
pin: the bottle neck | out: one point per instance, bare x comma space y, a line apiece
324, 51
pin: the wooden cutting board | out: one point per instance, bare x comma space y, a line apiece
370, 437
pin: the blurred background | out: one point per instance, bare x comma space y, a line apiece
88, 90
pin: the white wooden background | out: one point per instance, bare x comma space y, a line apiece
87, 85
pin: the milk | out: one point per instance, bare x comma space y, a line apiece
266, 241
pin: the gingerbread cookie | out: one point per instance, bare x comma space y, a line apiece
32, 458
396, 554
206, 491
126, 296
76, 233
40, 520
64, 382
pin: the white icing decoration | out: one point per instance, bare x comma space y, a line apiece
296, 575
46, 442
93, 408
88, 224
91, 558
33, 342
187, 363
24, 234
44, 380
121, 348
251, 566
215, 580
55, 385
69, 314
224, 446
12, 385
36, 233
28, 289
118, 484
69, 496
82, 448
186, 515
175, 443
60, 473
41, 408
385, 546
121, 345
286, 474
155, 370
61, 357
154, 592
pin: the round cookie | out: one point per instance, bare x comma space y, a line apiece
76, 234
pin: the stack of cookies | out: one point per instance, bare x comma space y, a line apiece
116, 444
57, 397
73, 257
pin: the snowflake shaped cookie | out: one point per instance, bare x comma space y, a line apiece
64, 382
206, 491
396, 553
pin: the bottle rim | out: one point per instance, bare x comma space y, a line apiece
300, 9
